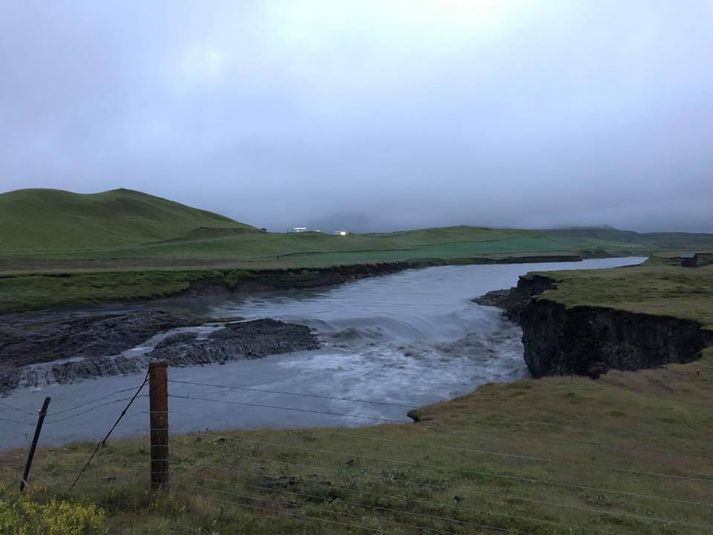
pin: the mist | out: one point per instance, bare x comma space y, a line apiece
369, 115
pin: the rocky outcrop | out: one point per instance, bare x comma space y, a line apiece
512, 301
589, 340
236, 341
35, 338
77, 346
61, 352
586, 340
70, 370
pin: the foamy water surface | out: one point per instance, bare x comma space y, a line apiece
389, 343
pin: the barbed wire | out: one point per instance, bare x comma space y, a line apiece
431, 502
294, 409
18, 409
360, 435
614, 447
25, 436
289, 513
101, 398
489, 419
92, 409
17, 422
111, 429
635, 516
687, 477
460, 471
301, 394
377, 507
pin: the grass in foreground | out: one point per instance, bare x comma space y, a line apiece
629, 453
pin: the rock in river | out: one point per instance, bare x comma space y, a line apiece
37, 349
236, 341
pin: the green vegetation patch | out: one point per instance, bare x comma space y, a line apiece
123, 244
653, 288
34, 220
628, 453
44, 291
30, 514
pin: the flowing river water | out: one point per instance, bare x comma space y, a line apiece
389, 343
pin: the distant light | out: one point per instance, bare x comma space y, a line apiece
341, 233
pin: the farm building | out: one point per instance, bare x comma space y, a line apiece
689, 260
696, 259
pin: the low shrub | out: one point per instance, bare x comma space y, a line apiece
20, 515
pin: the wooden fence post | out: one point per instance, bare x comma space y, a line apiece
158, 407
33, 447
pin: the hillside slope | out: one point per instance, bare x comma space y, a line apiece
54, 220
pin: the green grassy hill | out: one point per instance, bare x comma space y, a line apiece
124, 244
52, 229
36, 220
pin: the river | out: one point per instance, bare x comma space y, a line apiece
388, 343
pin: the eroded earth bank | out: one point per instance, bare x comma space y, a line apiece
589, 340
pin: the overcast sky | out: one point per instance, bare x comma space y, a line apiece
371, 114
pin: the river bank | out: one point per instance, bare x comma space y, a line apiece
86, 285
628, 453
410, 338
85, 343
627, 319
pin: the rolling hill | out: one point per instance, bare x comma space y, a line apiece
35, 220
122, 245
44, 229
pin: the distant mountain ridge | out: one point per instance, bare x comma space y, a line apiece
49, 219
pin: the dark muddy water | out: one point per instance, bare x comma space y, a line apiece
389, 343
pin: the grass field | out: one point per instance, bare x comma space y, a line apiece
52, 229
629, 453
270, 250
62, 248
654, 289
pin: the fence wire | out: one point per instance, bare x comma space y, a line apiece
376, 481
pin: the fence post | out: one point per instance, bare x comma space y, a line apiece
158, 407
33, 447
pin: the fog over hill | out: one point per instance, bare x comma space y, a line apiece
520, 113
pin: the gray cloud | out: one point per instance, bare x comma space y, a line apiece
386, 113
